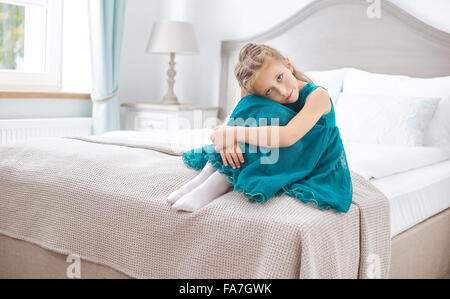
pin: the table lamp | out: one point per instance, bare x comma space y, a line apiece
172, 37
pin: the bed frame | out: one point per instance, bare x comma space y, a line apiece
396, 43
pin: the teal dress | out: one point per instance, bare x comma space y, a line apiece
314, 170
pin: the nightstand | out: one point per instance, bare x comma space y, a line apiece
151, 116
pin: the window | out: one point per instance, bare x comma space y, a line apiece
30, 44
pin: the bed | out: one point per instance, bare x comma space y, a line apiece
37, 233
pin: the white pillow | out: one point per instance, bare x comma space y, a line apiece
438, 131
331, 80
384, 120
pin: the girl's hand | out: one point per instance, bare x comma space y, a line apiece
233, 156
223, 137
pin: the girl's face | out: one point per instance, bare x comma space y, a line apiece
276, 82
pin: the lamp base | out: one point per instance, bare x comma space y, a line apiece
170, 100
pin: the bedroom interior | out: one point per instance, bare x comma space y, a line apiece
92, 181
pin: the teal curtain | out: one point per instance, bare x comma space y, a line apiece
106, 22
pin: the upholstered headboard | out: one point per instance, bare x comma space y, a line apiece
331, 34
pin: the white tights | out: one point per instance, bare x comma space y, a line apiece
203, 189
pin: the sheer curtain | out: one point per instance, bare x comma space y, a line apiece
106, 22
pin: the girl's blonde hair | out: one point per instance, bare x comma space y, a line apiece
252, 57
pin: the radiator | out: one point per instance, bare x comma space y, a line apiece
16, 130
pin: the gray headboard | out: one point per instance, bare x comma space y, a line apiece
330, 34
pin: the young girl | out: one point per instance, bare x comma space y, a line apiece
312, 164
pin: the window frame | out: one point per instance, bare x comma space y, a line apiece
50, 80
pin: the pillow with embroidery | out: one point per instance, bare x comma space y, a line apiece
384, 119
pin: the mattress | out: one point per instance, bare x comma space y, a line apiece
416, 194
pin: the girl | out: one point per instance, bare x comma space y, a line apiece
311, 165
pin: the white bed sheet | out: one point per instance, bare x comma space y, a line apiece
416, 195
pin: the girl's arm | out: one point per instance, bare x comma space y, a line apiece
317, 104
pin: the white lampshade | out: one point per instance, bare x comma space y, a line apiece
173, 36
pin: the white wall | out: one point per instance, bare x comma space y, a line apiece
143, 76
76, 63
137, 74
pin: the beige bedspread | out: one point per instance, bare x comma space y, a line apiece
105, 201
